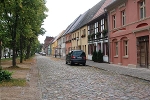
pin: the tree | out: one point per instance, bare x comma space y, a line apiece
21, 21
94, 57
100, 56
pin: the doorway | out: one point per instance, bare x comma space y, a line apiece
143, 51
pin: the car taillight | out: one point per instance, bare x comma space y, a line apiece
73, 57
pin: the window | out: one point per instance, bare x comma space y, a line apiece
105, 49
114, 21
102, 25
116, 48
123, 17
63, 40
84, 32
142, 9
88, 30
69, 37
125, 48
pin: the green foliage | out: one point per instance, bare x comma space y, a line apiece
104, 32
20, 24
5, 75
94, 57
89, 36
93, 36
100, 56
98, 34
13, 82
97, 56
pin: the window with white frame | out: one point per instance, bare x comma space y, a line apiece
142, 9
123, 17
125, 48
116, 48
102, 25
114, 21
63, 39
105, 48
88, 30
73, 36
96, 26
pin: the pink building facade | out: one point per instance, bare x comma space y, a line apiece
129, 32
68, 43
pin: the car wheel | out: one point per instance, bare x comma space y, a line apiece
66, 62
83, 64
71, 63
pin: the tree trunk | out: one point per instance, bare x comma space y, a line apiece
28, 52
21, 49
0, 53
14, 37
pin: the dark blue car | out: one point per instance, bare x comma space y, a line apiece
76, 57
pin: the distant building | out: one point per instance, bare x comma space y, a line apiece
47, 41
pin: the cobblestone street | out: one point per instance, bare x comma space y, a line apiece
59, 81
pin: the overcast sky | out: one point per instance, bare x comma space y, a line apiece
62, 13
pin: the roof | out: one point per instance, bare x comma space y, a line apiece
90, 14
101, 10
78, 21
70, 26
47, 41
48, 38
55, 38
114, 3
60, 34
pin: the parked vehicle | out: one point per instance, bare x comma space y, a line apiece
6, 55
76, 57
43, 54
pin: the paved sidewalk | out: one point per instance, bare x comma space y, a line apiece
142, 73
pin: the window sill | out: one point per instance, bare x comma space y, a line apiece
125, 56
116, 56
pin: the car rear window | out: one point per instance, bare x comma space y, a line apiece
79, 53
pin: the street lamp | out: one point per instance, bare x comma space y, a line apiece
77, 41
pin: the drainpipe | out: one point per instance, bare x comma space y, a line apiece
108, 36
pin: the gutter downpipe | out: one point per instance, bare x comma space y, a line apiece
108, 36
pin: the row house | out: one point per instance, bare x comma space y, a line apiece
46, 47
59, 44
68, 34
80, 34
98, 33
76, 34
56, 49
129, 32
54, 45
65, 41
49, 49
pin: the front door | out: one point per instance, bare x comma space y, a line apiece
143, 51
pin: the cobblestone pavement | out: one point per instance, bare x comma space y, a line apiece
59, 81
